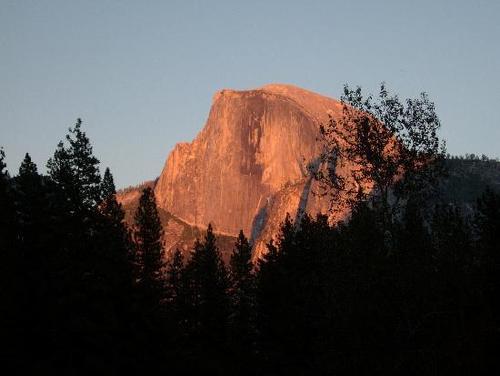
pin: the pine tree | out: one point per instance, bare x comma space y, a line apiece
108, 188
177, 295
28, 167
115, 230
241, 269
75, 170
242, 295
7, 213
11, 281
274, 299
116, 247
74, 175
207, 284
84, 282
34, 247
175, 276
30, 200
60, 169
113, 272
242, 283
85, 165
8, 216
31, 205
488, 230
109, 206
210, 281
148, 237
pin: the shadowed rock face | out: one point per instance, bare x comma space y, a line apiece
248, 166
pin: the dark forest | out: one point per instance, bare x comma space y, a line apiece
408, 284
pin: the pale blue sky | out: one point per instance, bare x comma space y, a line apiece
141, 74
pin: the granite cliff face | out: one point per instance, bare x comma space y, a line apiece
247, 168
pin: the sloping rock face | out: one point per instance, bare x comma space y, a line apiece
248, 166
177, 234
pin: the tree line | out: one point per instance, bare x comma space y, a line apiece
401, 286
83, 293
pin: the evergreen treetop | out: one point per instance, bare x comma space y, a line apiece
148, 236
241, 259
28, 167
76, 170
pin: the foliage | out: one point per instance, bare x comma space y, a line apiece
82, 295
74, 169
389, 148
149, 252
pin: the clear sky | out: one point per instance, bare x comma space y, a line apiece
141, 74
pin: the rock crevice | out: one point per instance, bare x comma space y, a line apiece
247, 168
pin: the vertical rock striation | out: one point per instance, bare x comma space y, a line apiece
248, 166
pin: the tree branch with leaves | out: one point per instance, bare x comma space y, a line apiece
380, 150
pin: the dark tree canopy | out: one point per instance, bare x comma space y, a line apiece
175, 277
75, 169
209, 281
148, 236
207, 284
109, 206
108, 188
28, 167
392, 145
242, 295
241, 261
414, 293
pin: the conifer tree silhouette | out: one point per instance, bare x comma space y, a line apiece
242, 294
207, 288
150, 261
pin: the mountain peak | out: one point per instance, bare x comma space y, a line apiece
285, 89
316, 105
248, 166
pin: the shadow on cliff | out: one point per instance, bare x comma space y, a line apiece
260, 220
